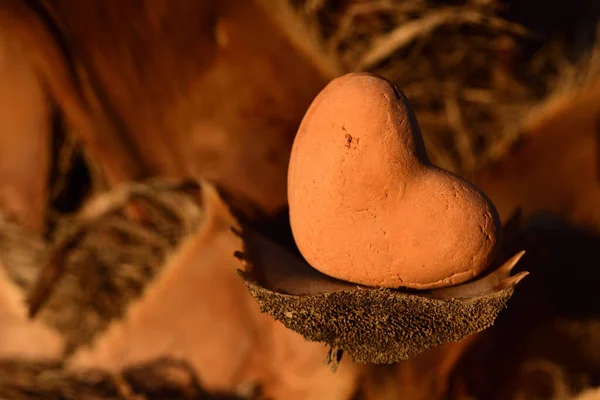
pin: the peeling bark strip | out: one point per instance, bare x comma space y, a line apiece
25, 137
46, 49
174, 89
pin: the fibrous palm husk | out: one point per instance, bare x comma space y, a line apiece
159, 379
475, 71
472, 77
545, 345
167, 287
102, 259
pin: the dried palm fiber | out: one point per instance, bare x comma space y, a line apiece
159, 379
474, 75
21, 253
102, 258
195, 307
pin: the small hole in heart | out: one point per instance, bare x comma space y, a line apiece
351, 142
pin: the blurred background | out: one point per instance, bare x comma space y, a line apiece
118, 282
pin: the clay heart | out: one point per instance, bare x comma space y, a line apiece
366, 204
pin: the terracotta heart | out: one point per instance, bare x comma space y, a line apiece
366, 204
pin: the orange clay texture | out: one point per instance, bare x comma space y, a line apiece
366, 204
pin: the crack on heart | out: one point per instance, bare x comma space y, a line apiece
484, 230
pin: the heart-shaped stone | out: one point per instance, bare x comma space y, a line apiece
366, 204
